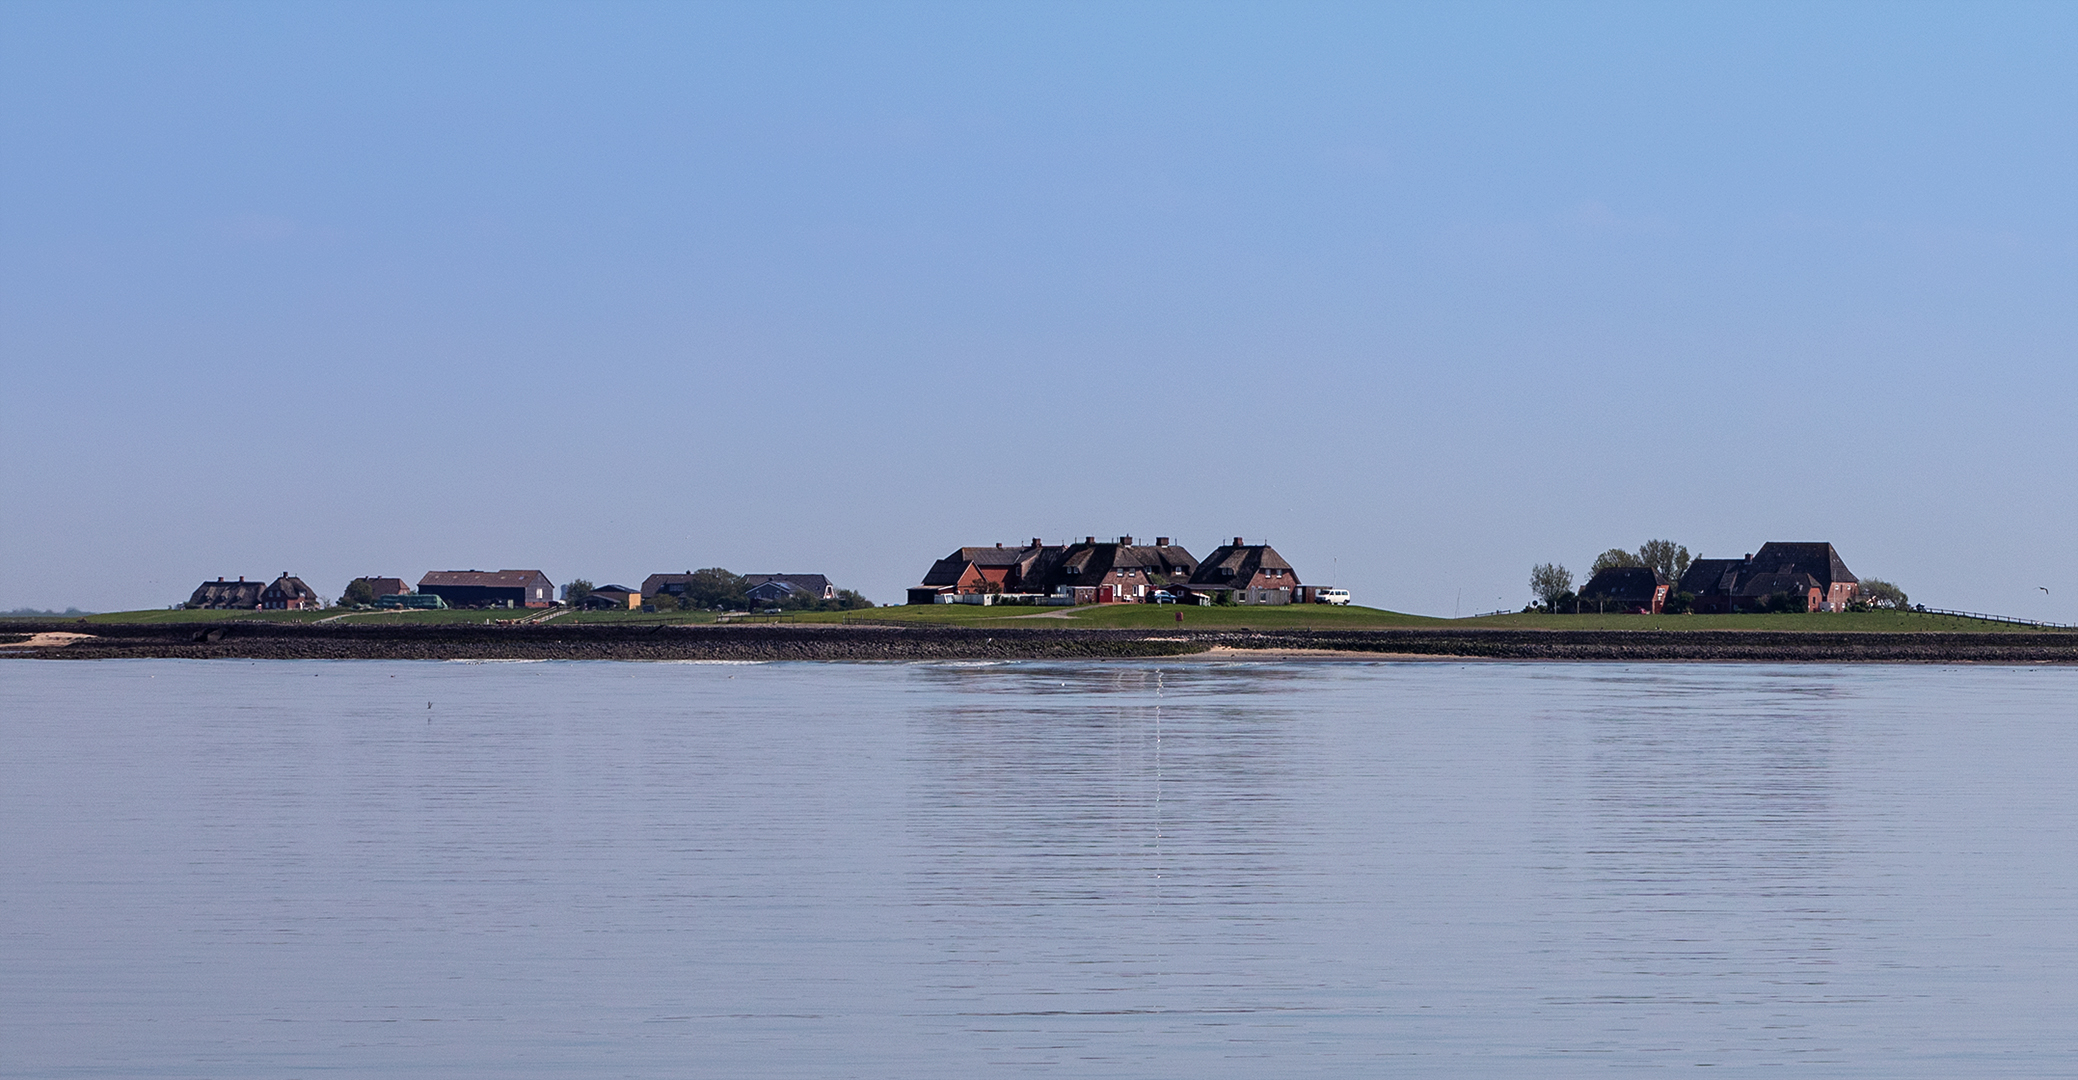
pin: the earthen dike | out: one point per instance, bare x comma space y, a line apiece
233, 640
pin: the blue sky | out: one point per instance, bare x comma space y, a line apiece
1421, 294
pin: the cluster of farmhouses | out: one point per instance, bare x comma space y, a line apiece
1117, 572
492, 589
1807, 575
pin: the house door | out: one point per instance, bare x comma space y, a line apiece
1106, 594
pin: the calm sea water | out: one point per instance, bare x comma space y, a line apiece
1181, 869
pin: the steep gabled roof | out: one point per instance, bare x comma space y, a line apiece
1816, 559
1705, 577
1026, 561
289, 588
946, 571
1239, 562
1088, 562
1770, 584
228, 594
990, 556
1623, 584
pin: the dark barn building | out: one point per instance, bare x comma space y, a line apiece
487, 588
240, 595
1637, 590
1813, 573
611, 598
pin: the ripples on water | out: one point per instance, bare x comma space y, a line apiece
1133, 869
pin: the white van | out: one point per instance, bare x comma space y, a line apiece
1338, 597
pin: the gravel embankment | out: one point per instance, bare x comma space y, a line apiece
276, 641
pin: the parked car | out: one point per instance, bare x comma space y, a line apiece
1161, 596
1338, 597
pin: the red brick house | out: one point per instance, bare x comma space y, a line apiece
1116, 572
995, 569
289, 594
1812, 571
1246, 574
1111, 572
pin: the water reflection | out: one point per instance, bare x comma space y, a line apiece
1123, 869
1688, 825
1132, 810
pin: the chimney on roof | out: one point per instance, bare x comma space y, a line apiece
999, 543
1749, 558
1126, 540
1036, 543
1089, 539
1161, 541
241, 577
1238, 543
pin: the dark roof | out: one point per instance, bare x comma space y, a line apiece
228, 594
485, 579
1707, 576
621, 589
1087, 562
814, 584
947, 571
1818, 560
1770, 584
1623, 584
1044, 567
1239, 562
655, 582
990, 556
290, 588
387, 586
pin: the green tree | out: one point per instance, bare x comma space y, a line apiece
1878, 593
1551, 583
1665, 556
1611, 558
358, 593
575, 592
715, 587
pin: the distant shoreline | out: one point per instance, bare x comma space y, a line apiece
252, 640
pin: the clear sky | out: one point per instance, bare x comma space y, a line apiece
1421, 294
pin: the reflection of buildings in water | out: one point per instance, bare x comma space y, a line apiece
1683, 818
1095, 811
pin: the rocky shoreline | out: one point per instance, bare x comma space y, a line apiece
234, 640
